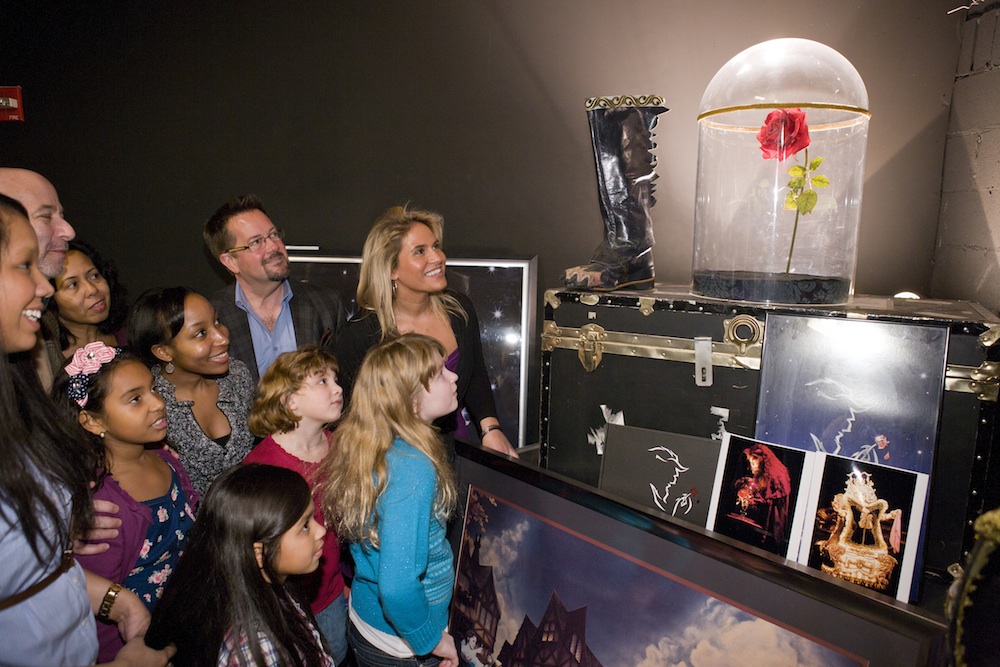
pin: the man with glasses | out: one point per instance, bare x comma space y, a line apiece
265, 316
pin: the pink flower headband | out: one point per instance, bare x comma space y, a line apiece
87, 361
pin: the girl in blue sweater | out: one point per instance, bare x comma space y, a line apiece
391, 488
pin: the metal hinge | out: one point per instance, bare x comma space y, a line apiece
982, 380
990, 336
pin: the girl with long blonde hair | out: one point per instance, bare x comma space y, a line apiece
390, 487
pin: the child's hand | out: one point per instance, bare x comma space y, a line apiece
105, 527
446, 650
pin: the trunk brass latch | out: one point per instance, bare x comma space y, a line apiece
591, 346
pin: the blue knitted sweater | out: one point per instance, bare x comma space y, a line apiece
403, 588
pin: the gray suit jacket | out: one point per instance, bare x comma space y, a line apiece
317, 315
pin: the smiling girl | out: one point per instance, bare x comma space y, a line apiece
112, 396
228, 604
391, 488
177, 332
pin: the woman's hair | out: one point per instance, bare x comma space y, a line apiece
269, 412
156, 317
118, 306
218, 587
390, 381
96, 385
42, 452
380, 257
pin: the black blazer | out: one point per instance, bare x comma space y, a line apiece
317, 315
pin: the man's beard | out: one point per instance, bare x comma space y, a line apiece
276, 271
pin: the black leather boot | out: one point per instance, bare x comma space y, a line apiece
621, 130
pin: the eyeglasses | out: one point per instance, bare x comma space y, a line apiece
258, 243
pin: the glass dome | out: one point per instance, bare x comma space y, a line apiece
783, 128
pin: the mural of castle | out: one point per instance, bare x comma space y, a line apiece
475, 611
559, 640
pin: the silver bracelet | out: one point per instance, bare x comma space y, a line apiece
492, 427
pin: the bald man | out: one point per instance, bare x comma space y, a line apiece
45, 214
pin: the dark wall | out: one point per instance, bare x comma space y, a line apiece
148, 115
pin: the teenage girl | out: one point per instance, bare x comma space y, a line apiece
297, 398
391, 488
227, 603
111, 395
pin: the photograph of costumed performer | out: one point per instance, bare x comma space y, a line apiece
757, 507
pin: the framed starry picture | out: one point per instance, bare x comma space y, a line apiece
864, 389
503, 292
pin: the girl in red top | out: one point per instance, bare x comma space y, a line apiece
298, 397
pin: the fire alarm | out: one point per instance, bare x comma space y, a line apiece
11, 104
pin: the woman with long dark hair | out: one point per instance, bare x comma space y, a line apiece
47, 601
89, 303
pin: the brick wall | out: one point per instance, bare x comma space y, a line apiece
967, 254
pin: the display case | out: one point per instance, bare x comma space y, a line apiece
881, 415
551, 568
782, 131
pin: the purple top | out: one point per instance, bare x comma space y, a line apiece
461, 425
125, 550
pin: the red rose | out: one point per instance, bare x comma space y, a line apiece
783, 134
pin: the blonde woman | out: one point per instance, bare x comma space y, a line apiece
403, 289
390, 487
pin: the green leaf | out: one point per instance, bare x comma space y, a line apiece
820, 181
797, 183
815, 163
807, 201
797, 170
790, 204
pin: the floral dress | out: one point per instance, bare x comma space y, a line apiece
164, 543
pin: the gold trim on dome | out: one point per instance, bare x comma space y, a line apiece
623, 101
785, 105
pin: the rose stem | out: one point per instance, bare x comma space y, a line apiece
795, 227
